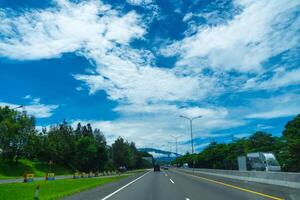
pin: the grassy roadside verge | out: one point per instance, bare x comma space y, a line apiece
9, 170
52, 189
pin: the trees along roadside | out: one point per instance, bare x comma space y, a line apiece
82, 148
224, 155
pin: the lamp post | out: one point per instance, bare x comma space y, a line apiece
170, 150
14, 108
191, 127
175, 137
17, 107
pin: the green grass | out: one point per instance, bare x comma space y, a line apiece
52, 189
13, 170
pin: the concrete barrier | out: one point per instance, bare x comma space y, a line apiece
274, 178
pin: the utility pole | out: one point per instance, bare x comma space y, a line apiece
192, 141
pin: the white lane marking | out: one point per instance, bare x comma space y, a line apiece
118, 190
187, 199
172, 181
166, 175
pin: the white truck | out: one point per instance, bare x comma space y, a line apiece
259, 161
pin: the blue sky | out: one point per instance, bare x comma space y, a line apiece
132, 67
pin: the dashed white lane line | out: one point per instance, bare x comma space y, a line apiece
118, 190
187, 199
172, 181
166, 174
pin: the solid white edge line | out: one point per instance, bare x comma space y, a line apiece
121, 188
172, 181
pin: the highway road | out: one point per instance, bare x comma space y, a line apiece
175, 185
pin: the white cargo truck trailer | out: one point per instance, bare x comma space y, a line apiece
259, 161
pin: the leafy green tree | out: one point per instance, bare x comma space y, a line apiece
292, 136
60, 144
119, 152
33, 147
86, 154
126, 154
102, 152
15, 128
261, 142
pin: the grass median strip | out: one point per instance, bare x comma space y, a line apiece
52, 189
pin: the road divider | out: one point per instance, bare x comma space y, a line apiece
286, 179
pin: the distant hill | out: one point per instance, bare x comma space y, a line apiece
161, 156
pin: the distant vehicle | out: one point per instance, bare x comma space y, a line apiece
122, 169
185, 165
165, 167
156, 168
259, 161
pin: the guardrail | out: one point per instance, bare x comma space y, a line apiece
274, 178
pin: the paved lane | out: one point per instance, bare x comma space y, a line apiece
281, 192
202, 189
174, 185
169, 185
154, 185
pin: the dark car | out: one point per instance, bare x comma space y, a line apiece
122, 169
156, 168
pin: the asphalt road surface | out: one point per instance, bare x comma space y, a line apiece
175, 185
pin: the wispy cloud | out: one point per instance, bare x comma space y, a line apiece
69, 27
36, 109
278, 106
262, 30
281, 78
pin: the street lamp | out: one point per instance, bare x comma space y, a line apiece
191, 126
14, 108
17, 107
175, 137
170, 151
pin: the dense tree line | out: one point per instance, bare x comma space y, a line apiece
224, 155
82, 148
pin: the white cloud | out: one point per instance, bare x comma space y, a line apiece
279, 106
264, 127
159, 122
79, 88
281, 78
262, 30
157, 155
101, 34
69, 27
187, 17
27, 97
147, 84
139, 2
36, 100
36, 109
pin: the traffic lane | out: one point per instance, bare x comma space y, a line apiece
201, 189
274, 190
153, 186
103, 190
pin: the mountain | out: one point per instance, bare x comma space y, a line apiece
161, 156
